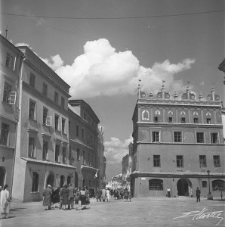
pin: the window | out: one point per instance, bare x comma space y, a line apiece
156, 184
177, 137
202, 161
62, 102
195, 120
170, 119
214, 137
180, 162
32, 80
6, 94
78, 154
45, 114
32, 110
45, 89
89, 162
35, 181
216, 160
183, 120
57, 153
218, 185
57, 122
84, 161
4, 134
200, 137
208, 120
156, 119
56, 98
77, 130
63, 125
156, 160
45, 150
64, 155
82, 133
155, 136
31, 149
10, 61
204, 184
85, 116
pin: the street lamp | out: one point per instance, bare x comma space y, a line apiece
210, 197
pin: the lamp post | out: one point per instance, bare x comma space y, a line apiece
210, 197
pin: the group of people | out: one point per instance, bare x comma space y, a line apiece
4, 200
67, 197
106, 194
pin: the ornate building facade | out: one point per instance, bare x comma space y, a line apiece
178, 144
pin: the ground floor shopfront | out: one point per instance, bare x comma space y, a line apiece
177, 184
32, 176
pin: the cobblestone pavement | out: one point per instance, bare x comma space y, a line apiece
143, 212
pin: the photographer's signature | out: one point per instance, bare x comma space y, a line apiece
202, 214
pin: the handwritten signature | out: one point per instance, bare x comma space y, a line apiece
201, 215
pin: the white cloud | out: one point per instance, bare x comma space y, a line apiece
115, 149
101, 70
55, 62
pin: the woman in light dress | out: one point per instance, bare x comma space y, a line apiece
5, 201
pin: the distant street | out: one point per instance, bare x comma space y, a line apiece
156, 212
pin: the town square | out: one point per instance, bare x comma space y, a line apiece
112, 113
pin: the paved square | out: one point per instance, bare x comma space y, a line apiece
156, 212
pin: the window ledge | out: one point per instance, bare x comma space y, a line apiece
35, 192
31, 119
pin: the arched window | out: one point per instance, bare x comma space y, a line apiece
218, 185
204, 184
156, 184
145, 115
35, 182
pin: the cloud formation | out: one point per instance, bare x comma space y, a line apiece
101, 70
115, 149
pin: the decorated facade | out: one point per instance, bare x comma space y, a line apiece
178, 144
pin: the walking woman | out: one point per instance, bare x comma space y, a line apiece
5, 201
47, 194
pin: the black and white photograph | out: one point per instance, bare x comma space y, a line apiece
112, 113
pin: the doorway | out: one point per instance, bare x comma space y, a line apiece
2, 176
183, 187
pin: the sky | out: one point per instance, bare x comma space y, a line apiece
102, 48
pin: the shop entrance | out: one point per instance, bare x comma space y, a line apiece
183, 187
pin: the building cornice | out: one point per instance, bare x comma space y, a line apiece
184, 125
186, 174
77, 141
48, 163
177, 144
89, 168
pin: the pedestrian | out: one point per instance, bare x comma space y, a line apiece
221, 194
76, 198
55, 196
103, 194
168, 192
47, 193
129, 195
107, 194
198, 192
125, 195
83, 198
5, 200
64, 193
98, 195
71, 197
